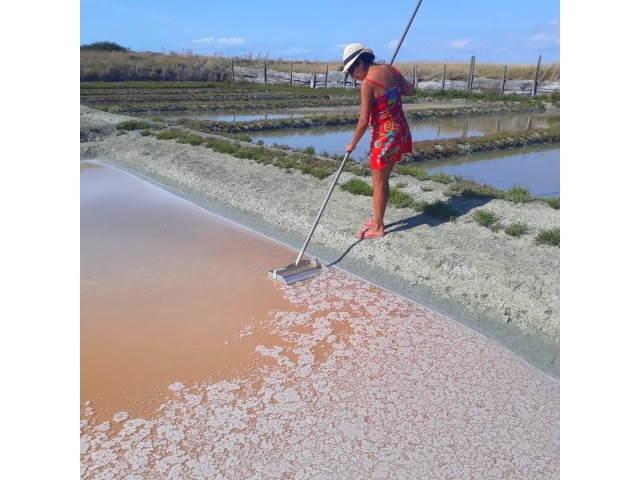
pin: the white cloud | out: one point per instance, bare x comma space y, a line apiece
461, 43
548, 35
393, 44
217, 42
544, 39
230, 42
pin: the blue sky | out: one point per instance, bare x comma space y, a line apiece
495, 31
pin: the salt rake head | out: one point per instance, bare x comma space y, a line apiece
294, 273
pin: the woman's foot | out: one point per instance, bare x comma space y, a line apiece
369, 223
370, 233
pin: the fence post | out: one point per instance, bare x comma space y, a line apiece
535, 82
444, 75
504, 80
290, 73
415, 76
326, 76
312, 83
344, 80
265, 72
233, 72
471, 68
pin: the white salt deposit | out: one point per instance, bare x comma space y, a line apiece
372, 387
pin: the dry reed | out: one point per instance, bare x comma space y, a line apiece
122, 66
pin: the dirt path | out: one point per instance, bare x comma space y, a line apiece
504, 287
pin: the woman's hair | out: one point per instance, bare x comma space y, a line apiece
367, 59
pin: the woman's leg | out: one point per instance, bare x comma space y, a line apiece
380, 197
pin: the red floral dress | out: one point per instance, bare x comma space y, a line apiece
390, 134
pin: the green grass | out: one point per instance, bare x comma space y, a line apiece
305, 163
519, 194
357, 187
421, 174
190, 139
222, 146
485, 218
469, 188
242, 137
317, 172
169, 135
437, 209
549, 237
440, 178
516, 229
553, 203
415, 172
399, 199
133, 125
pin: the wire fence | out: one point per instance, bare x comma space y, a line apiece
336, 79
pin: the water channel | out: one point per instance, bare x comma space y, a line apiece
537, 168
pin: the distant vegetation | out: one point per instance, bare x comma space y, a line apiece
108, 61
103, 47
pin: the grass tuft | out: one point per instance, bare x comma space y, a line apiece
440, 178
317, 172
437, 209
519, 194
357, 187
415, 172
399, 199
133, 125
223, 146
553, 203
169, 135
190, 139
516, 229
485, 218
549, 237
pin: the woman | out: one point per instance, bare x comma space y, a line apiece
381, 107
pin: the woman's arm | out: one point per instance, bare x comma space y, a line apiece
407, 88
366, 96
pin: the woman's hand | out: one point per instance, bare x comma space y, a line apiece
350, 147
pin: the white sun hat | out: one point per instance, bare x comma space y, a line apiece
351, 54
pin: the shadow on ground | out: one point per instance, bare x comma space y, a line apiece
461, 206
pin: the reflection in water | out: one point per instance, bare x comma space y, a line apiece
223, 116
537, 169
333, 139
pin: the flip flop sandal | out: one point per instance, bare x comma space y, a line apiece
368, 223
365, 233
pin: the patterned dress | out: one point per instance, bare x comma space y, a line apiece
390, 134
